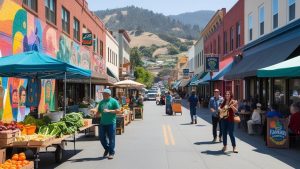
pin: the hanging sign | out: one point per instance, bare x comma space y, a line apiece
87, 39
212, 64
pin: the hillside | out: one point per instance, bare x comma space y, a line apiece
200, 18
146, 39
142, 20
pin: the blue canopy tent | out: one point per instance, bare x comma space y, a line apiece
36, 65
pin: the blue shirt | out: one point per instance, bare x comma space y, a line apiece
272, 114
168, 99
215, 104
193, 99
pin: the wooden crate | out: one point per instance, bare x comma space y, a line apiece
20, 143
138, 113
10, 134
29, 166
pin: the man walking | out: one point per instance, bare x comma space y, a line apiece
193, 102
108, 109
214, 105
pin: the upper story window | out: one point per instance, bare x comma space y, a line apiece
275, 11
76, 29
250, 27
65, 19
231, 38
225, 43
101, 47
238, 35
50, 10
292, 10
32, 4
261, 20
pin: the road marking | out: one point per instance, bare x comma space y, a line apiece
171, 135
165, 135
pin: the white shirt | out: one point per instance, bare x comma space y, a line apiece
256, 116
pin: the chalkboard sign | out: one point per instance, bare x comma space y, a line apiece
277, 133
138, 113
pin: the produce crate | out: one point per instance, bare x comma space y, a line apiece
9, 134
2, 155
88, 122
6, 141
29, 166
138, 113
20, 143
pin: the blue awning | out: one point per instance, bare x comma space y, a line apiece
220, 75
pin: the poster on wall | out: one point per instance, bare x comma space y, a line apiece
277, 133
98, 95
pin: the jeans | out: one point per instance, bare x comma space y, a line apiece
193, 111
228, 127
108, 132
215, 122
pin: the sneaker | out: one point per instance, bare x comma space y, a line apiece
224, 149
105, 153
196, 121
214, 140
235, 150
220, 139
192, 122
110, 157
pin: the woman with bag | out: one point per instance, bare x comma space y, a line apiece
229, 107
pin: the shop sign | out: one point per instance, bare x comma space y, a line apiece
186, 72
278, 136
212, 64
87, 39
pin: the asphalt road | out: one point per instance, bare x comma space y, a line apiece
170, 142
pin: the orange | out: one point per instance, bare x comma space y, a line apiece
22, 158
22, 154
15, 157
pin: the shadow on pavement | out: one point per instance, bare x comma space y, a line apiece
206, 142
215, 153
186, 124
200, 125
288, 156
87, 159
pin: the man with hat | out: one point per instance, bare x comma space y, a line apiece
255, 118
214, 105
108, 109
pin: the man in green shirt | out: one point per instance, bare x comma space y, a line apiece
108, 108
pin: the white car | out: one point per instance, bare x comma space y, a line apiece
151, 96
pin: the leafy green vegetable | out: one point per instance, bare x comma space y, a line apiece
44, 130
29, 120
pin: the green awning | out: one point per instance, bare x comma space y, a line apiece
288, 68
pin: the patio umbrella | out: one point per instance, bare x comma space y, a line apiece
129, 84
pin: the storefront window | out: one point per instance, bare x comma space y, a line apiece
279, 91
294, 90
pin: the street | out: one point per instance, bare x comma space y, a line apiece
170, 142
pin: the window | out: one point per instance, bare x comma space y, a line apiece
238, 35
292, 9
225, 42
101, 48
261, 20
219, 45
294, 90
50, 9
32, 4
231, 38
65, 20
108, 55
279, 91
250, 27
76, 30
275, 13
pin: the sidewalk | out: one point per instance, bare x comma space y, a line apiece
288, 156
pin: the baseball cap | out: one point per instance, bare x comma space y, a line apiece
108, 91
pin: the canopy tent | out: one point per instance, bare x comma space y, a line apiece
288, 68
129, 83
36, 65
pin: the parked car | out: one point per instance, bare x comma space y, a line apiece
151, 96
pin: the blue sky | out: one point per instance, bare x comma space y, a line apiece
167, 7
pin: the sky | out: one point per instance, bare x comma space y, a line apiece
167, 7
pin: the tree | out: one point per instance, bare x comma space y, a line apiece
172, 50
135, 57
144, 76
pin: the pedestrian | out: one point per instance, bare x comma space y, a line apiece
255, 118
140, 101
169, 100
193, 102
230, 106
108, 108
214, 104
294, 125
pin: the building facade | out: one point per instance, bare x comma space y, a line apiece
123, 39
112, 55
271, 36
53, 27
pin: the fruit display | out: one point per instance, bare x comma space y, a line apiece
34, 137
18, 161
8, 126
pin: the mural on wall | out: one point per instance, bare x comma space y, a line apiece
20, 31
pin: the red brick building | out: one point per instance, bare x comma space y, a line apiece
54, 27
224, 36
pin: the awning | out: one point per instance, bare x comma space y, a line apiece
40, 66
289, 68
111, 74
194, 80
176, 84
268, 50
184, 82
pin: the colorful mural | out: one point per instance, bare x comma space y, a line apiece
20, 31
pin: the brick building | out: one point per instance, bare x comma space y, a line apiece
53, 27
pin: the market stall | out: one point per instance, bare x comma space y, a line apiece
36, 65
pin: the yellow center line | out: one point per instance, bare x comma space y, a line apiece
165, 135
171, 135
